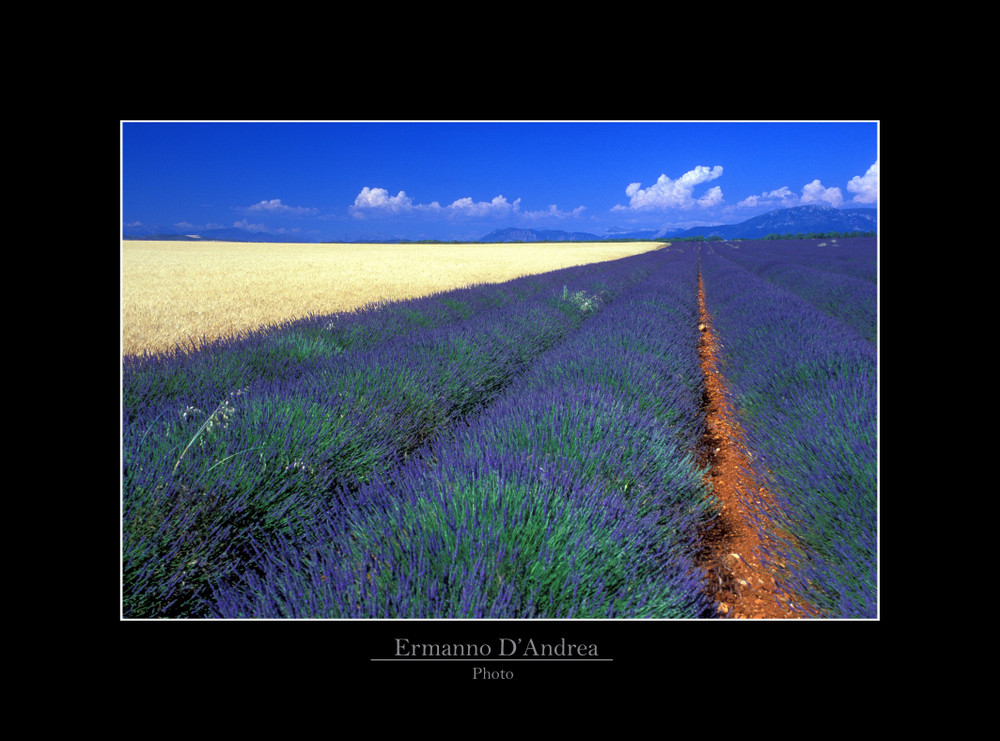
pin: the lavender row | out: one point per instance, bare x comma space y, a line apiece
574, 494
856, 257
805, 389
206, 472
204, 375
826, 276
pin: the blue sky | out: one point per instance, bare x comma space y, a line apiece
461, 180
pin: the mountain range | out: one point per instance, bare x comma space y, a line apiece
797, 220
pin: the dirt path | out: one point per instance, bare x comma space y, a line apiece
737, 582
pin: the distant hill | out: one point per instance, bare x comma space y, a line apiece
536, 235
645, 234
798, 220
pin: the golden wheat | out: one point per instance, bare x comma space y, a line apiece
176, 293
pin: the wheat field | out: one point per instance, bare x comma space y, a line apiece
181, 293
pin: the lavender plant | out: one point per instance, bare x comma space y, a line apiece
804, 386
253, 438
837, 279
574, 494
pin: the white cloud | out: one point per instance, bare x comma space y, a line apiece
498, 206
553, 211
816, 192
276, 206
865, 187
378, 202
666, 193
378, 199
782, 197
713, 197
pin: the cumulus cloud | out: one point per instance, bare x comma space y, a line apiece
276, 206
865, 187
498, 206
713, 197
378, 199
553, 211
782, 197
378, 202
816, 192
667, 193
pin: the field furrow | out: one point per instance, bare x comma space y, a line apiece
804, 389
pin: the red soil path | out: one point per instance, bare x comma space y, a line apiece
740, 585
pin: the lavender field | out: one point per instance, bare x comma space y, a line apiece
517, 450
798, 326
